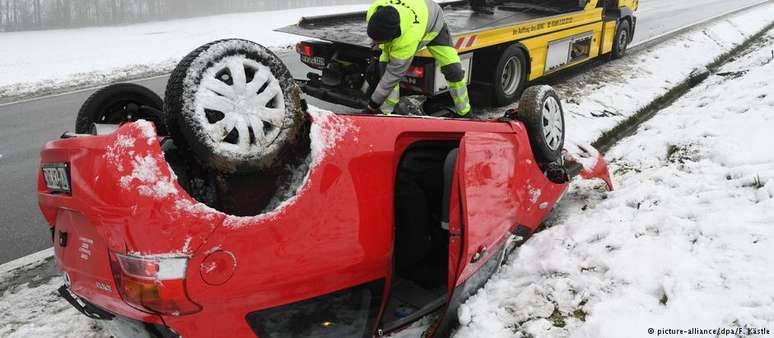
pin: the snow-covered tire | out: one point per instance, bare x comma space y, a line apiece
118, 103
235, 105
541, 111
622, 39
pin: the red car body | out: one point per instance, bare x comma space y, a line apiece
336, 234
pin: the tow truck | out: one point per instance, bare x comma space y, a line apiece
522, 41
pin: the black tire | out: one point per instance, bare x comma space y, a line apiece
622, 39
250, 151
535, 108
118, 103
505, 91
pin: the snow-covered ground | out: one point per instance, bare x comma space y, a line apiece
599, 99
656, 206
44, 314
684, 242
45, 60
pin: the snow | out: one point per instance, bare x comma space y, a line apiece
683, 243
39, 312
148, 130
534, 194
326, 131
145, 169
44, 60
585, 154
144, 172
125, 142
598, 100
202, 90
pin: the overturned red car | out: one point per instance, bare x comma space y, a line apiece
169, 225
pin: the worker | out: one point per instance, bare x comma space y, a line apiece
401, 28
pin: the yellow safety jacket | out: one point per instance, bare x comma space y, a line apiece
420, 22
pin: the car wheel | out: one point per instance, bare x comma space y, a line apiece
118, 103
510, 76
235, 105
622, 39
541, 111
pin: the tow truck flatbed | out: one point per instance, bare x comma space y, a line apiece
521, 41
350, 28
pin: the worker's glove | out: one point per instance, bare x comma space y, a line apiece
372, 108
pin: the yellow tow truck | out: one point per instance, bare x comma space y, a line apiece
521, 41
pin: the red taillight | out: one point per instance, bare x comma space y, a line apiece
153, 284
417, 71
304, 49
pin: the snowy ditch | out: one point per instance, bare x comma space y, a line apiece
683, 244
603, 98
545, 290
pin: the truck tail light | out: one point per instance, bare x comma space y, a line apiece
153, 284
417, 71
304, 49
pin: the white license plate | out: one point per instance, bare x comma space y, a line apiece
57, 177
316, 61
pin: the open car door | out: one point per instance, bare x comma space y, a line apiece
482, 207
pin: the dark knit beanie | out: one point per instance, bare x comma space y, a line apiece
384, 24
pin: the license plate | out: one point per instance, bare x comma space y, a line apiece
57, 177
314, 61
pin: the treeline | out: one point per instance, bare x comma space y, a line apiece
19, 15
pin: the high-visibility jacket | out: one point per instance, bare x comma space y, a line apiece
420, 23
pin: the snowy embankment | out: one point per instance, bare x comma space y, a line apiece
606, 259
684, 242
42, 61
599, 99
40, 312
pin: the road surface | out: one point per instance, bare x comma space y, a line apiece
26, 125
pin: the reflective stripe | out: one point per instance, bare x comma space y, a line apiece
391, 101
394, 94
390, 80
460, 98
457, 85
461, 101
385, 56
444, 55
430, 36
459, 93
387, 108
463, 111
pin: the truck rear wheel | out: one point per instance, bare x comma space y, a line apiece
541, 111
510, 76
235, 105
622, 39
118, 103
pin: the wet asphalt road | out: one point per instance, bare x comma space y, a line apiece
26, 126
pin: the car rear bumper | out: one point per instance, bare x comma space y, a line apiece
120, 326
